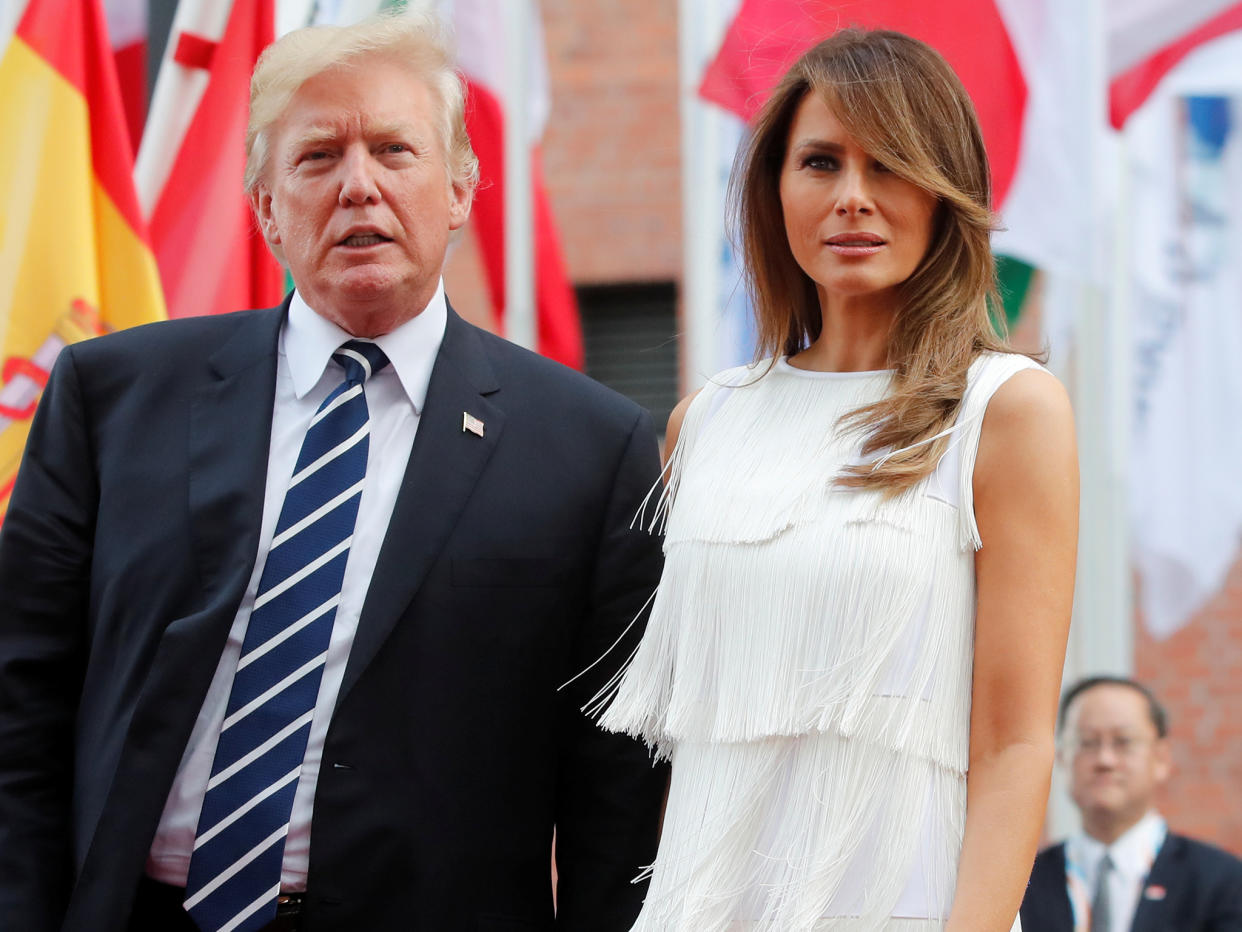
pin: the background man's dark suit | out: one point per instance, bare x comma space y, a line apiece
508, 566
1202, 891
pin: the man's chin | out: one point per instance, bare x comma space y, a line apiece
1110, 806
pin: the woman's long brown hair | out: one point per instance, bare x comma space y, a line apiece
905, 106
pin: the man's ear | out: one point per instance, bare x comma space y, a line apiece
261, 203
461, 197
1162, 755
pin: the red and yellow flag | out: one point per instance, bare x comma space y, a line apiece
74, 255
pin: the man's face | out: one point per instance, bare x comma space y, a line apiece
357, 195
1117, 761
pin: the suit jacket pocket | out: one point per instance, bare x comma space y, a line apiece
510, 571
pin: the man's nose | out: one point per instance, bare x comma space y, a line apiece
358, 179
853, 193
1106, 757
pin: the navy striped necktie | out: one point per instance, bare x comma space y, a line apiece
235, 868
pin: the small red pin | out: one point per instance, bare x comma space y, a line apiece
1155, 892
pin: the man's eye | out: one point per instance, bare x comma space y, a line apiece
396, 147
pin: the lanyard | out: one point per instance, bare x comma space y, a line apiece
1076, 878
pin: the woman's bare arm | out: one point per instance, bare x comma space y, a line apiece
1026, 506
674, 425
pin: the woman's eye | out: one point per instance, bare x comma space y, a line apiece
819, 162
881, 167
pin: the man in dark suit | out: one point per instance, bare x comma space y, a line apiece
287, 596
1126, 872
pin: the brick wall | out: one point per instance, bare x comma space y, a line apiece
611, 149
612, 146
1197, 673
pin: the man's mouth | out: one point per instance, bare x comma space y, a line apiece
364, 239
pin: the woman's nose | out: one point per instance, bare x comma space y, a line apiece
853, 195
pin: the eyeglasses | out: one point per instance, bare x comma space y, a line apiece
1120, 745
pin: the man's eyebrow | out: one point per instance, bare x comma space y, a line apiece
315, 135
392, 128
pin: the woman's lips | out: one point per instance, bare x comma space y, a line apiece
855, 244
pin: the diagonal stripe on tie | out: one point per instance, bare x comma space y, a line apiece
225, 875
274, 690
235, 866
256, 753
290, 581
313, 615
246, 807
343, 447
259, 902
315, 515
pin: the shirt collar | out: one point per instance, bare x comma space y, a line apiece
309, 340
1132, 853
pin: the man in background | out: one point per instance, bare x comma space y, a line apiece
1125, 871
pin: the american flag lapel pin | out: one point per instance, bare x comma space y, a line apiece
471, 424
1155, 892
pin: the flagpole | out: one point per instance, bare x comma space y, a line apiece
519, 211
701, 25
1102, 633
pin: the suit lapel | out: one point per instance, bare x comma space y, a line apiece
1152, 914
230, 434
1052, 883
445, 463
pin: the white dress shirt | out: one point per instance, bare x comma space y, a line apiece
305, 375
1132, 855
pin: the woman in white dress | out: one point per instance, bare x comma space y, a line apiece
854, 655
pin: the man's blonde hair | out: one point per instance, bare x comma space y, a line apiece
418, 41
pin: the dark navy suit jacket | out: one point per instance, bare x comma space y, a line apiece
1198, 888
508, 566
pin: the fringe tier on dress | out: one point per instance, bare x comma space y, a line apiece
807, 664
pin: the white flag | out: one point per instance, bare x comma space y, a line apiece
1184, 149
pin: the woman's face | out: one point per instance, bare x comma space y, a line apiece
854, 227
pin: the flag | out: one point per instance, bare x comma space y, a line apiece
211, 255
1024, 64
74, 258
127, 25
1147, 38
767, 36
481, 58
1184, 161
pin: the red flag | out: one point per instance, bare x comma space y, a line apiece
1131, 87
767, 36
559, 329
212, 258
127, 24
558, 326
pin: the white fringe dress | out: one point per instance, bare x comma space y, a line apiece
807, 664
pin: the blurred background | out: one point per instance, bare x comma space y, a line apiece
606, 131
